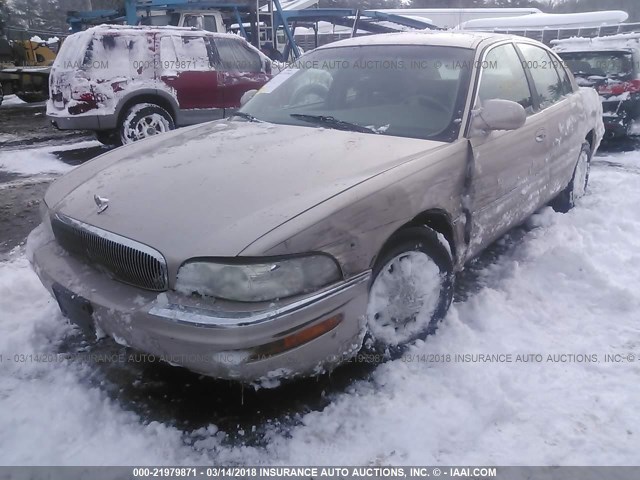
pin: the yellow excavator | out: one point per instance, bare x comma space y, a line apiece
25, 66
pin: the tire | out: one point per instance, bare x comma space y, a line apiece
109, 137
144, 120
397, 312
1, 94
577, 187
32, 97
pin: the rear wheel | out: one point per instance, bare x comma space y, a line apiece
411, 290
144, 120
577, 187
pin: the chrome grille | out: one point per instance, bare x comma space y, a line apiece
120, 257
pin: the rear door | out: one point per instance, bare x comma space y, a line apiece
242, 69
557, 106
188, 71
507, 172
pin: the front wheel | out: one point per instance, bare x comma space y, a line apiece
577, 187
411, 291
144, 120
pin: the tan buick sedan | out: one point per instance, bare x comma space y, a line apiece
333, 210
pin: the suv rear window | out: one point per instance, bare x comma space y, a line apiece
613, 64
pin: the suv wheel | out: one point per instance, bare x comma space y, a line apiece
144, 120
577, 187
411, 290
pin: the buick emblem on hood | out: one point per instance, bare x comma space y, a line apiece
102, 203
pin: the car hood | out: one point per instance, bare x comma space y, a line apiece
213, 189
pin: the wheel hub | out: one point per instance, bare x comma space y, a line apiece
404, 297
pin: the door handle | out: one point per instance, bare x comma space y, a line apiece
541, 135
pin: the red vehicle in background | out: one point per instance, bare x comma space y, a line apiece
128, 83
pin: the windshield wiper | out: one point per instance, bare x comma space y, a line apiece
332, 122
246, 116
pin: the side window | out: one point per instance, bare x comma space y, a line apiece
544, 74
192, 53
565, 81
210, 24
193, 21
235, 56
120, 55
503, 77
168, 58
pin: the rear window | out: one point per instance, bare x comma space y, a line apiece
72, 52
613, 64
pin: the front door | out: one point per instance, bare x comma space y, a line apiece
242, 69
187, 69
507, 168
561, 110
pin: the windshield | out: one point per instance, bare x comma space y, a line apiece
412, 91
600, 64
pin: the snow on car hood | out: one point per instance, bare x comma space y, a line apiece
212, 189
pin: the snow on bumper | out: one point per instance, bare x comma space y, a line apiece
63, 120
251, 346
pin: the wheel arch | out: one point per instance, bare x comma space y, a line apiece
158, 98
436, 219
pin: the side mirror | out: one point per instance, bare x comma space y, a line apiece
246, 96
497, 114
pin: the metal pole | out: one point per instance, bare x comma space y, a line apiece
354, 30
287, 30
130, 12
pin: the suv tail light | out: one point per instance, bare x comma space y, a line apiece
632, 86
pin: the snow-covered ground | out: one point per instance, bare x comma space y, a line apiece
39, 160
569, 286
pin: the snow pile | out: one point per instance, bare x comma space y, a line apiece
38, 160
48, 41
567, 289
549, 20
47, 396
622, 41
11, 100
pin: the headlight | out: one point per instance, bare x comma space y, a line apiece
257, 282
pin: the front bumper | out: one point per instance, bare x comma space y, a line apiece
619, 115
212, 338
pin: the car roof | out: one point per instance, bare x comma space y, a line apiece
449, 38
